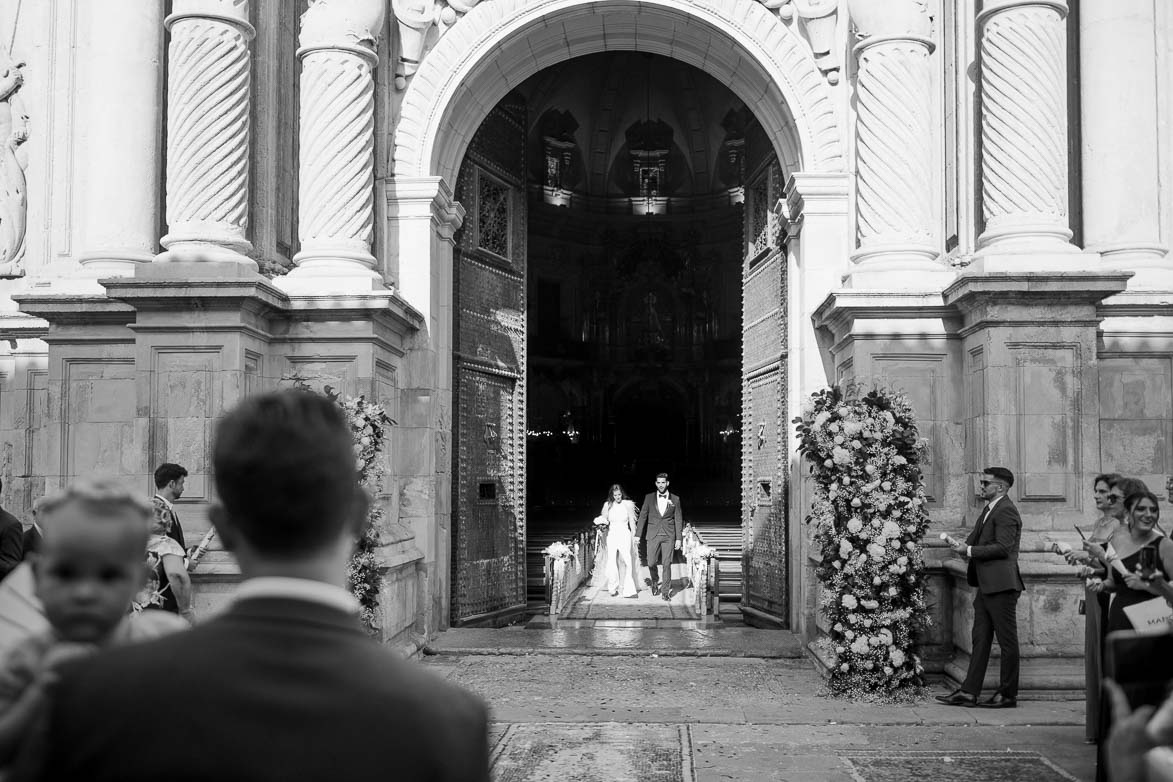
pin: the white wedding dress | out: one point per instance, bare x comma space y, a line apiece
621, 557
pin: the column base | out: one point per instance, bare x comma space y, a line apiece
204, 252
336, 271
1151, 263
112, 263
994, 261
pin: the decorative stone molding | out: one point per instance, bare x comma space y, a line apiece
819, 21
14, 132
415, 20
757, 52
337, 142
208, 83
894, 127
1024, 125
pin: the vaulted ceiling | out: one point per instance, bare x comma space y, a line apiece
612, 95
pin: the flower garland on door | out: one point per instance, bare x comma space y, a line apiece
869, 519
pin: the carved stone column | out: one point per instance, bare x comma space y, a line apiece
894, 141
337, 145
117, 118
1024, 126
208, 83
1119, 122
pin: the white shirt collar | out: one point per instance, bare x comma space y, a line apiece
298, 589
165, 501
990, 505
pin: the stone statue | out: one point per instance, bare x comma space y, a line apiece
13, 161
890, 17
416, 20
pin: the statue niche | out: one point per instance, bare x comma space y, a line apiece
14, 132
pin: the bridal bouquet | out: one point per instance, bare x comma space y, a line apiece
869, 519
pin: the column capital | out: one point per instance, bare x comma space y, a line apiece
430, 197
817, 194
351, 25
890, 18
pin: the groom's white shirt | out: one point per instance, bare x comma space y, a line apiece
662, 503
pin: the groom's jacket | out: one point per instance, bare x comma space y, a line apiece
666, 527
993, 562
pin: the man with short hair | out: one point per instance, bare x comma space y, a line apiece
284, 684
11, 541
992, 553
170, 482
661, 523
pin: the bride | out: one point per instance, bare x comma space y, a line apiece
619, 513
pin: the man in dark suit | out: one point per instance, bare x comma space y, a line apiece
992, 552
660, 525
285, 684
33, 535
11, 541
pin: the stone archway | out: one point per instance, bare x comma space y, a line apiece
499, 44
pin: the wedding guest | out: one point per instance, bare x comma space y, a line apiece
170, 483
89, 568
1096, 600
11, 541
1129, 584
34, 534
172, 575
285, 683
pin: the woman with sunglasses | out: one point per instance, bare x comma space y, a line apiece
1110, 507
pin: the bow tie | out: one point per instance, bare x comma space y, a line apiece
662, 496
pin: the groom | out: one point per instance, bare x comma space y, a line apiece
660, 524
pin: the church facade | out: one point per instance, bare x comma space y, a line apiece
491, 215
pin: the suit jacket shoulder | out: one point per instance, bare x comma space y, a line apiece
273, 692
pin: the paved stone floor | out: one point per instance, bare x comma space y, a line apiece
664, 707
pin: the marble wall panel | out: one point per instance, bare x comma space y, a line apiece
923, 379
1048, 408
186, 398
1136, 400
98, 398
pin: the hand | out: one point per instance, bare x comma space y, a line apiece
1086, 572
677, 544
1095, 549
1133, 581
1096, 585
1128, 742
960, 549
1076, 557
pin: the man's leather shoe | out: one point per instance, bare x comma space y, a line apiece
958, 698
666, 596
655, 585
999, 701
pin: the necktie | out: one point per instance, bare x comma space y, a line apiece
977, 528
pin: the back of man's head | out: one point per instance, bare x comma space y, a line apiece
285, 472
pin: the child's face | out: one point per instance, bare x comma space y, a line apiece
88, 571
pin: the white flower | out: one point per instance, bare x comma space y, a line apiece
870, 469
875, 551
892, 591
888, 671
845, 667
838, 627
841, 455
860, 645
843, 412
897, 657
840, 439
856, 444
849, 634
856, 502
846, 480
871, 605
886, 485
821, 419
845, 549
885, 637
902, 561
898, 459
891, 529
854, 525
877, 581
840, 649
849, 602
910, 545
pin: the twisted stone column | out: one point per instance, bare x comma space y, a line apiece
894, 140
337, 143
1024, 126
208, 83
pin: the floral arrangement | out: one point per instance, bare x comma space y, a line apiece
869, 519
558, 550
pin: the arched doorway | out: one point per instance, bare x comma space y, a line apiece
500, 44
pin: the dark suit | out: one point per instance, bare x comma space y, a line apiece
32, 541
11, 543
274, 689
993, 571
175, 532
662, 532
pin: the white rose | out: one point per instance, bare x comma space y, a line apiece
849, 602
845, 667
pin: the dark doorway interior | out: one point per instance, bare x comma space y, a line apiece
635, 252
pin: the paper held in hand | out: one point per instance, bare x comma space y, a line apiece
1151, 616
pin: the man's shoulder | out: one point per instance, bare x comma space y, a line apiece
7, 521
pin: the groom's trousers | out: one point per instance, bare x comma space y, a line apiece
660, 551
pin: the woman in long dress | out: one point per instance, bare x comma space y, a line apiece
619, 511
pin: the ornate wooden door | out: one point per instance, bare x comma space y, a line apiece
765, 592
489, 357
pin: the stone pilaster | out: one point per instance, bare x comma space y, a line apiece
337, 144
894, 134
208, 92
1119, 125
117, 120
1024, 127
